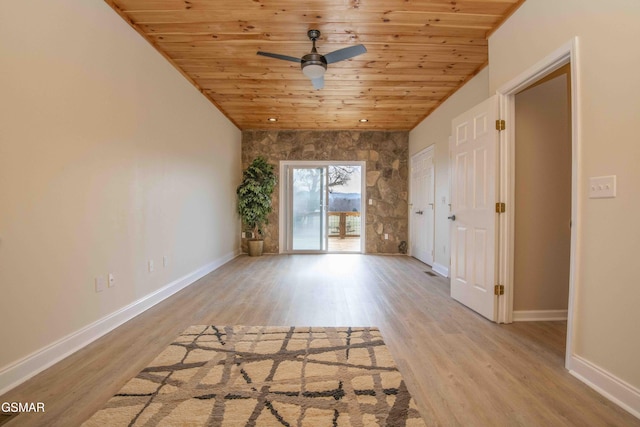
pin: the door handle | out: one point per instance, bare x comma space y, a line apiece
419, 212
452, 217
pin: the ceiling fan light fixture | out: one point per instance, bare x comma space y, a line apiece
314, 71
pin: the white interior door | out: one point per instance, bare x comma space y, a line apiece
473, 214
422, 206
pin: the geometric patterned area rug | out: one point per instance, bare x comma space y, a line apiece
266, 376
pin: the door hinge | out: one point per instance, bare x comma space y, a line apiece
500, 125
500, 207
498, 289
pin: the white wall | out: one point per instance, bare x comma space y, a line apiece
607, 287
108, 158
435, 130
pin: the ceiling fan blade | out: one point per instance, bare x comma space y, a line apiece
346, 53
318, 83
278, 56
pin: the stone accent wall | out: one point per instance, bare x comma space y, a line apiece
386, 156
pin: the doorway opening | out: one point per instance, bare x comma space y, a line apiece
566, 54
322, 207
542, 236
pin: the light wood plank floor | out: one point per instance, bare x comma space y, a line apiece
462, 369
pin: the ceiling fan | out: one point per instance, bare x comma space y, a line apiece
314, 64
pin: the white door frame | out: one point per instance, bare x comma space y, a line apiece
565, 54
431, 148
283, 231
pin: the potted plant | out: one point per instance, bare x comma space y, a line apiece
254, 200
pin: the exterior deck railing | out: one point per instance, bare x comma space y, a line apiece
344, 224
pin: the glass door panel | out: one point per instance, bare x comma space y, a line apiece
308, 203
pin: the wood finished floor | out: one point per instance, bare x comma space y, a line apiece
461, 369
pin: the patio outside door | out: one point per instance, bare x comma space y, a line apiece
309, 208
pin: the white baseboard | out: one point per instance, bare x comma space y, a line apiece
539, 315
27, 367
440, 269
613, 388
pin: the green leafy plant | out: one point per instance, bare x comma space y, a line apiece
254, 195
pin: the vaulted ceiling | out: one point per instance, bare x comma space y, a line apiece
419, 52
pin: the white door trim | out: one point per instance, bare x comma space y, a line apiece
432, 149
283, 232
565, 54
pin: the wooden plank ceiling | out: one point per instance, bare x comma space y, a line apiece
419, 52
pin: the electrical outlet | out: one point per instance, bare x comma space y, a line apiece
371, 201
150, 266
111, 280
101, 283
386, 236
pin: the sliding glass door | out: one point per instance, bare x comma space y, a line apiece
308, 208
321, 206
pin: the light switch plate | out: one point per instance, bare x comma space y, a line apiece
601, 187
101, 283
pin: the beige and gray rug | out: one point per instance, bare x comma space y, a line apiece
266, 376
